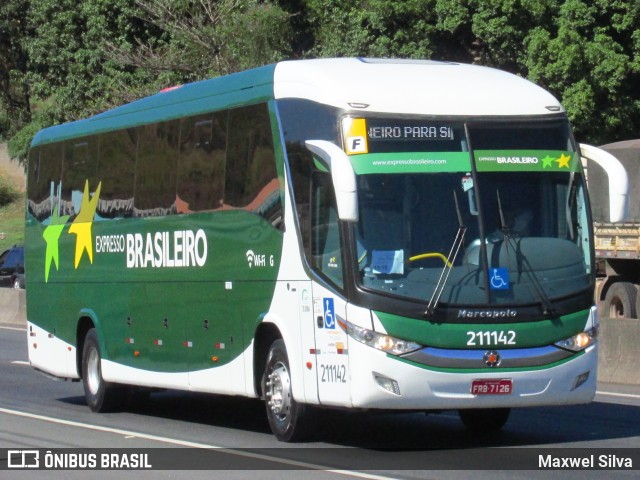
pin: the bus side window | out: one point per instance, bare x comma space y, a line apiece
201, 168
45, 173
116, 171
78, 169
156, 169
251, 177
326, 251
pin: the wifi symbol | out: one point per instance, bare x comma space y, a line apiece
250, 257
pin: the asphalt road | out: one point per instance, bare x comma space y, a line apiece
38, 412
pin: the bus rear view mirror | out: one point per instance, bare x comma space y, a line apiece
342, 176
618, 181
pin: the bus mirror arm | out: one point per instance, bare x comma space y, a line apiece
342, 175
618, 181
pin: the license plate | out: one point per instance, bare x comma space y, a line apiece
503, 386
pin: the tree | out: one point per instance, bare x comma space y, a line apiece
493, 31
69, 64
590, 58
372, 28
207, 38
14, 94
69, 72
89, 55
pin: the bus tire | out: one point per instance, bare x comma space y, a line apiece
484, 420
620, 301
101, 396
286, 416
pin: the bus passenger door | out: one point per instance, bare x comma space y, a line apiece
332, 355
332, 360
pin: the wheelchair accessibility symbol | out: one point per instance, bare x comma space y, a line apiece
329, 317
499, 278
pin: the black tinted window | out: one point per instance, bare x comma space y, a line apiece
252, 180
201, 169
116, 171
45, 175
78, 170
157, 161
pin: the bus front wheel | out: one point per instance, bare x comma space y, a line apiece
286, 416
100, 395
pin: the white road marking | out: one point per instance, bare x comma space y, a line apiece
20, 362
17, 329
616, 394
185, 443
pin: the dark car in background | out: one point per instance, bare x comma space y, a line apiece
12, 267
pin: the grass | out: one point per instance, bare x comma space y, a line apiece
12, 222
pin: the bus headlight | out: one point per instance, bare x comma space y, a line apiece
580, 341
385, 343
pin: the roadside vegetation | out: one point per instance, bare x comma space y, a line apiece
12, 202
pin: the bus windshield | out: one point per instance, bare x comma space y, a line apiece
511, 229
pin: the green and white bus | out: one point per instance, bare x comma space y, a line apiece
351, 233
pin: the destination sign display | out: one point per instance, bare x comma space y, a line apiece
410, 132
384, 135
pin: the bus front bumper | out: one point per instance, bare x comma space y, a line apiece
386, 382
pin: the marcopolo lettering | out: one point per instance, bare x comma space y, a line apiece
505, 313
181, 248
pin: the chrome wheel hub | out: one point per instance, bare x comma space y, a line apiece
278, 391
93, 371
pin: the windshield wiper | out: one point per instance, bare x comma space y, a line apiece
448, 266
547, 307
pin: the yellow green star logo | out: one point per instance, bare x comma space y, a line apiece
563, 161
83, 222
51, 236
547, 161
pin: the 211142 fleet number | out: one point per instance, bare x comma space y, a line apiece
333, 373
491, 338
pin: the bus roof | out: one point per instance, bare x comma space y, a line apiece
251, 86
373, 85
422, 87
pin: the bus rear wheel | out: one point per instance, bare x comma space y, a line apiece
286, 416
101, 396
484, 420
